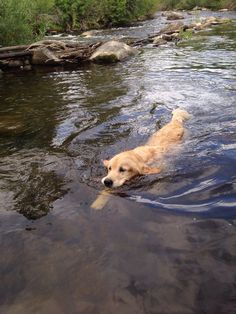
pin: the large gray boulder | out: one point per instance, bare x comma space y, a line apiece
113, 51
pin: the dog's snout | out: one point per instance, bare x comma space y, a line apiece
108, 183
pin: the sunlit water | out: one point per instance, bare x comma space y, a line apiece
163, 243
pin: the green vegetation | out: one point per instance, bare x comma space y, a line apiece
187, 34
96, 13
24, 21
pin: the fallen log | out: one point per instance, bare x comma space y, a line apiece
52, 44
10, 55
13, 48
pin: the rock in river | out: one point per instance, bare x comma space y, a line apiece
174, 16
90, 33
113, 51
158, 41
174, 27
11, 124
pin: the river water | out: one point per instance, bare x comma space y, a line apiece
161, 244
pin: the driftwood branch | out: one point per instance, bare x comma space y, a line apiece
13, 48
17, 54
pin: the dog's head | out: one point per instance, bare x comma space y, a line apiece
121, 168
124, 167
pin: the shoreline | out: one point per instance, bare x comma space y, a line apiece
51, 52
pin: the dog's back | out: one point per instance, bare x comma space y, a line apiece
172, 132
129, 164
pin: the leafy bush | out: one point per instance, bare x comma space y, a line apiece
22, 21
94, 13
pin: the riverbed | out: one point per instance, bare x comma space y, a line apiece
162, 243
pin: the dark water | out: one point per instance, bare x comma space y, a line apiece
162, 244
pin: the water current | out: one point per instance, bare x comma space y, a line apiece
161, 244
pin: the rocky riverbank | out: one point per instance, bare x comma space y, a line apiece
62, 53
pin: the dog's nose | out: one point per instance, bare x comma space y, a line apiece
108, 183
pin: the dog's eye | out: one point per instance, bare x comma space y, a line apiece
122, 169
109, 168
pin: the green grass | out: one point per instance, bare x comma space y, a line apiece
22, 21
102, 13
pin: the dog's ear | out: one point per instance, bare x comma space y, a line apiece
105, 162
150, 170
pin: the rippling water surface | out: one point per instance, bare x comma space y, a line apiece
161, 244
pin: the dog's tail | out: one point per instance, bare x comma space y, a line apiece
180, 115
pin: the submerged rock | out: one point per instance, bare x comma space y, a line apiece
10, 124
171, 37
164, 38
198, 26
35, 196
113, 51
158, 41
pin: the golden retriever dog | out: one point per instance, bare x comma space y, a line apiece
137, 161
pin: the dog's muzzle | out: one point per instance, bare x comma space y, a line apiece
107, 182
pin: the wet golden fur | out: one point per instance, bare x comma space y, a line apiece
129, 164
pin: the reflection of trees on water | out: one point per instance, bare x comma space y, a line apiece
93, 100
30, 181
36, 193
75, 112
35, 98
42, 105
32, 101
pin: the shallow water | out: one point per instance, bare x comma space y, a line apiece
162, 244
